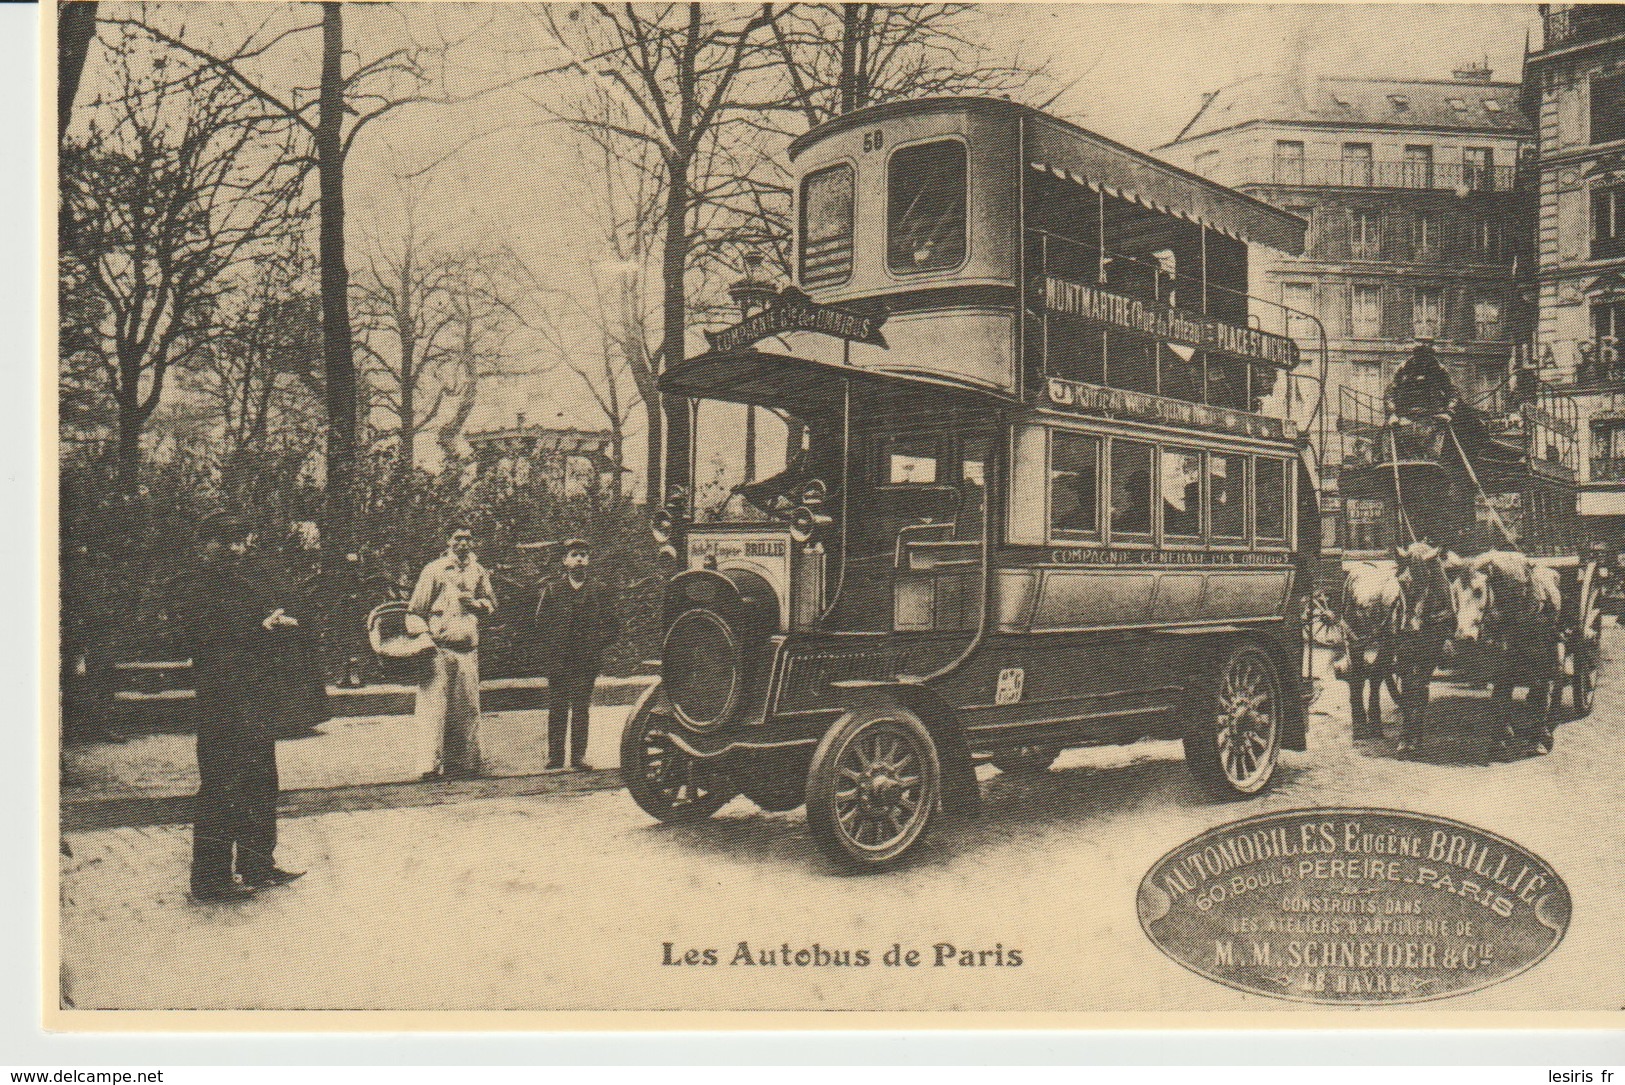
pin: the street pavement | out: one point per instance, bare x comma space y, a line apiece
566, 900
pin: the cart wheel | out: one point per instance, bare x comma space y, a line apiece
1587, 664
1233, 737
667, 783
1025, 760
874, 786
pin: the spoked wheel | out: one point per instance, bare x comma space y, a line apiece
1025, 760
667, 783
1587, 662
874, 786
1233, 738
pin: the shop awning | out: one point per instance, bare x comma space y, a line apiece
1106, 166
1602, 504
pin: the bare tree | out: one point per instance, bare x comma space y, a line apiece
180, 179
259, 378
670, 77
405, 323
481, 304
346, 97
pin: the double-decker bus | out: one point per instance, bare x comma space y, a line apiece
1022, 478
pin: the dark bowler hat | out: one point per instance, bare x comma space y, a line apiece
221, 527
575, 544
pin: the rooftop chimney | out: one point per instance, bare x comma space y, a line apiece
1474, 73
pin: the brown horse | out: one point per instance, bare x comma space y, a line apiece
1509, 610
1367, 620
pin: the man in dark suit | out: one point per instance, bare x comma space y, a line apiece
230, 624
575, 621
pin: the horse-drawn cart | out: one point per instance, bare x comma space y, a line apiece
1485, 568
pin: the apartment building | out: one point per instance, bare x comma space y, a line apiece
1416, 225
1575, 90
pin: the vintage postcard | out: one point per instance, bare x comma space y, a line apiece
816, 515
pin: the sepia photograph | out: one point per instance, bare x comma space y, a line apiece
575, 515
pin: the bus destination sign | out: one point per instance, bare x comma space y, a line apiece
793, 311
1120, 403
1174, 325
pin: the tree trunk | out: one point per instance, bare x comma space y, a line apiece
75, 28
849, 58
674, 314
337, 350
406, 454
130, 423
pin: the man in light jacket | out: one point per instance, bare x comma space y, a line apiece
452, 593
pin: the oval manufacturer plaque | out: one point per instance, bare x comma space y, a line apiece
1354, 907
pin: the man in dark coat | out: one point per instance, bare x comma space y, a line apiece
575, 621
230, 624
1422, 387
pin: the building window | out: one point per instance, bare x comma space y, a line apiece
1425, 234
1226, 497
925, 207
1418, 166
1607, 107
1607, 453
1457, 104
1477, 164
1288, 162
1400, 102
1365, 234
1366, 317
1271, 503
1487, 238
1608, 320
1182, 494
1492, 105
1132, 483
1074, 484
1357, 164
1486, 319
1426, 309
1608, 221
1309, 239
826, 226
1299, 300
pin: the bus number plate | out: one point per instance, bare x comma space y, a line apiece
1010, 682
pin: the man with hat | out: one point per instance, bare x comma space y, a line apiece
575, 621
230, 624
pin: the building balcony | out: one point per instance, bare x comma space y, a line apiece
1582, 23
1337, 173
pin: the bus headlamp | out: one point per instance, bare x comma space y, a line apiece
804, 524
662, 525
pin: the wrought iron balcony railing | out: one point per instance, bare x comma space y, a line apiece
1583, 22
1341, 173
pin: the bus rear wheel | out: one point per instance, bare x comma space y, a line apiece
1233, 735
874, 786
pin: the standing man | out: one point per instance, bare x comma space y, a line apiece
452, 593
231, 625
575, 621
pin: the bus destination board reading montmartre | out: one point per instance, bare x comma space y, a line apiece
1174, 325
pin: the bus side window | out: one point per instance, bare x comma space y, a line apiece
1131, 488
1270, 502
1227, 497
1074, 484
1182, 494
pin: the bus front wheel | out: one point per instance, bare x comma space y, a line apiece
874, 786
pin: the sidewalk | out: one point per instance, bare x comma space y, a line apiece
347, 763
